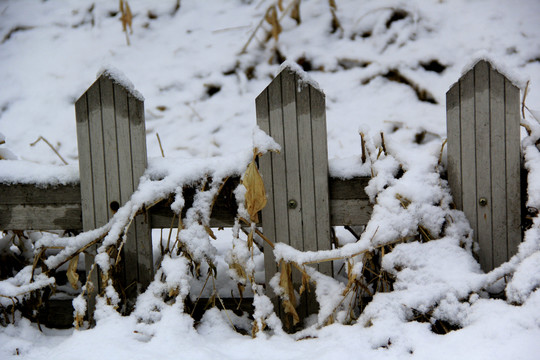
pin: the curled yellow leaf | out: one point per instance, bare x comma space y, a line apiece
255, 193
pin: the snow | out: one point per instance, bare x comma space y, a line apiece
200, 95
121, 79
303, 77
25, 172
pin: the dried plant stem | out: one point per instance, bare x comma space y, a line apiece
195, 112
243, 51
268, 11
441, 153
160, 147
80, 250
50, 145
221, 301
363, 141
524, 98
258, 232
200, 293
170, 232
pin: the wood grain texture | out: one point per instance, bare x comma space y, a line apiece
267, 214
453, 130
513, 166
483, 147
84, 111
112, 138
468, 149
320, 174
498, 168
349, 205
484, 160
294, 114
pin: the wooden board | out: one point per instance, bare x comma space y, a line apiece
296, 179
484, 173
484, 160
31, 207
112, 157
28, 207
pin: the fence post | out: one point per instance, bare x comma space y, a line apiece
484, 159
296, 180
112, 156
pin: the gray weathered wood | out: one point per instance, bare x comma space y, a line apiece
498, 165
468, 150
112, 148
82, 114
268, 215
484, 160
59, 206
28, 207
293, 113
320, 175
454, 142
513, 166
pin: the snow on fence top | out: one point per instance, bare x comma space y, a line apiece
121, 79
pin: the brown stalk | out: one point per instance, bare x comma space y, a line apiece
160, 147
50, 145
363, 141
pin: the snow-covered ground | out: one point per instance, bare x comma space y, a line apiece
200, 90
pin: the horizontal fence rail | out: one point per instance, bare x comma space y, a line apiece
29, 207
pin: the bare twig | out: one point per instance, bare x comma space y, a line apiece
441, 153
524, 98
195, 112
50, 145
363, 141
126, 18
160, 147
243, 51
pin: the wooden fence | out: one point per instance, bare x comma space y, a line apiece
304, 202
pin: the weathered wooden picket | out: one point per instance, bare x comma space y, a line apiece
483, 126
483, 167
297, 213
111, 138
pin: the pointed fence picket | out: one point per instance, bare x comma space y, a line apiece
296, 179
111, 138
484, 160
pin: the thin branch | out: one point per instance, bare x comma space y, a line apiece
524, 98
50, 145
160, 147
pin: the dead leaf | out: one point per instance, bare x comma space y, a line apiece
210, 232
239, 269
255, 194
174, 292
272, 18
295, 12
126, 17
305, 283
72, 275
285, 282
78, 320
250, 240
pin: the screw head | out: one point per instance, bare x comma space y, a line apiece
292, 204
482, 201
